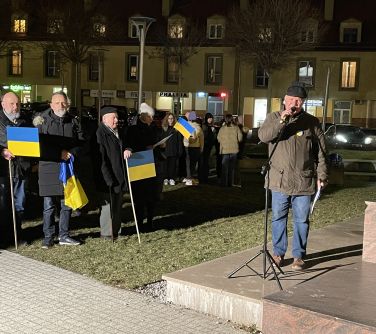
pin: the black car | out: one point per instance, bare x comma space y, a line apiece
349, 137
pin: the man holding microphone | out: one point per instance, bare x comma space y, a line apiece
297, 169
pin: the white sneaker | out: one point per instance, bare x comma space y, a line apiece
165, 182
188, 183
172, 182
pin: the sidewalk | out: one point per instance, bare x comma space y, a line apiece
39, 298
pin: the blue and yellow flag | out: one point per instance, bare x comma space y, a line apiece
141, 165
74, 194
184, 127
23, 141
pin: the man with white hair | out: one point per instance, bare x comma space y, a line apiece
111, 177
9, 117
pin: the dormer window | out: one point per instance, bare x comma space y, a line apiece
99, 26
309, 31
19, 23
350, 31
55, 26
215, 27
176, 27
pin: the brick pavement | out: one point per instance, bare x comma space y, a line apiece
38, 298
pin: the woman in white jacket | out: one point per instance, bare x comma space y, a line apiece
229, 137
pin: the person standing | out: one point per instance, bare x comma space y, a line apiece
229, 137
146, 192
60, 138
209, 140
297, 169
9, 117
112, 181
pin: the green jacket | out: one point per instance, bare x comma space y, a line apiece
300, 156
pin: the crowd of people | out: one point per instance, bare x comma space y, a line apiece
62, 138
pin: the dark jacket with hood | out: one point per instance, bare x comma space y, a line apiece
300, 155
56, 134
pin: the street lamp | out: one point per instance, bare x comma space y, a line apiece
142, 25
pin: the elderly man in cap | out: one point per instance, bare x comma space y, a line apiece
112, 181
297, 169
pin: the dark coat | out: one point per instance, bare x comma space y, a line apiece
56, 134
174, 145
111, 161
20, 165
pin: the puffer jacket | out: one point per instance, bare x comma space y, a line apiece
300, 156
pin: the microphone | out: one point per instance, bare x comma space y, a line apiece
286, 119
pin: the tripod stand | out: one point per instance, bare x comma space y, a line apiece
264, 251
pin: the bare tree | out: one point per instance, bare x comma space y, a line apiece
268, 33
73, 30
177, 47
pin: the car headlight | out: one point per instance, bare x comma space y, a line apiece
368, 140
341, 138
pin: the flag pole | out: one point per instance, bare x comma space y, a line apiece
134, 211
13, 209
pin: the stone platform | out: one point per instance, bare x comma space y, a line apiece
334, 258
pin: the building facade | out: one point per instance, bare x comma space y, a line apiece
97, 54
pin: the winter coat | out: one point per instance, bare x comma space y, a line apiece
197, 138
111, 160
56, 134
299, 157
229, 138
20, 165
209, 136
174, 145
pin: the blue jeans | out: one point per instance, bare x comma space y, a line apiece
300, 207
50, 205
228, 169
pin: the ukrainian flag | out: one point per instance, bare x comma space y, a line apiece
184, 127
141, 165
23, 141
74, 194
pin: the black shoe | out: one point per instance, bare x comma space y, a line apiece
69, 241
47, 243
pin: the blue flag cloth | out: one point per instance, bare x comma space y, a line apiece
74, 194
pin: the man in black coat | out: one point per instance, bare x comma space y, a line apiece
9, 117
112, 179
60, 138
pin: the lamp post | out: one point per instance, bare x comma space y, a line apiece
142, 25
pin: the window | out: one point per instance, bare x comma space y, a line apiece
172, 70
214, 69
55, 26
99, 29
342, 112
215, 31
349, 74
305, 72
350, 35
132, 68
265, 35
309, 31
19, 25
175, 29
94, 66
262, 77
15, 64
307, 36
350, 31
52, 64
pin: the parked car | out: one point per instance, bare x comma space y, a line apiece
349, 137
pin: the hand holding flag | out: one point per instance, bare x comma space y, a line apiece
184, 127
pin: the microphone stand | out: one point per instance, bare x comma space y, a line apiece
264, 250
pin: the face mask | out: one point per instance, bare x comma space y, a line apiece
11, 116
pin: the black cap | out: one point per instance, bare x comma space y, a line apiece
297, 89
108, 110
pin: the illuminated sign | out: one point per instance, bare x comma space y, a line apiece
17, 87
173, 94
